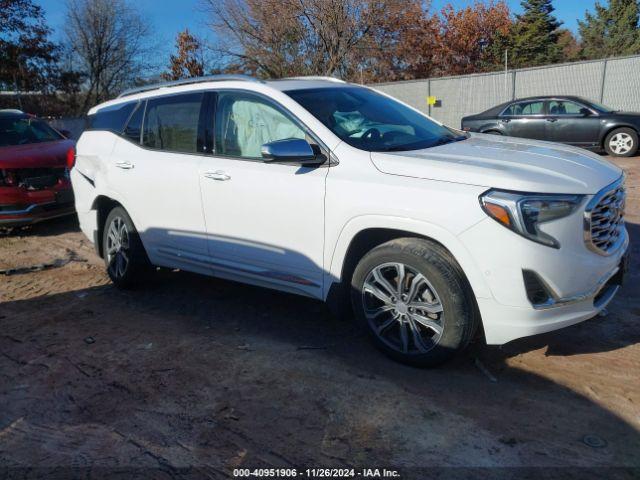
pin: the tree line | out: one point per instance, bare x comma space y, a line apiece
108, 45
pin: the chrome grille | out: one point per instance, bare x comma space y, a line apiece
604, 219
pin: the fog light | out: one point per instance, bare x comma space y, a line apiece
537, 292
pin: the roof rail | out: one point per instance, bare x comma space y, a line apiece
187, 81
315, 77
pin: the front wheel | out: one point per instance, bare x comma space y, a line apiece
413, 299
124, 256
622, 142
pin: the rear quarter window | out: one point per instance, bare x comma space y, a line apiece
112, 119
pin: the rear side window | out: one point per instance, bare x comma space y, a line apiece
133, 129
524, 108
171, 123
113, 118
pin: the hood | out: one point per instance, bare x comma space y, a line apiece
626, 115
505, 162
36, 155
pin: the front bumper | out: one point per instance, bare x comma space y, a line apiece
503, 323
581, 282
19, 206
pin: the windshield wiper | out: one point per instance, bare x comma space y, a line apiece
444, 141
437, 143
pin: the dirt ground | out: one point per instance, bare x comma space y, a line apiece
190, 377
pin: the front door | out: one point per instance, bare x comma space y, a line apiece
525, 119
570, 122
265, 221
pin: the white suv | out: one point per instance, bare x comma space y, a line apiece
336, 191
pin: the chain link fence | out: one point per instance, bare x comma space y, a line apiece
614, 82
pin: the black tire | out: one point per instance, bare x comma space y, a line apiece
445, 285
629, 135
124, 274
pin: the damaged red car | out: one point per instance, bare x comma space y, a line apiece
35, 161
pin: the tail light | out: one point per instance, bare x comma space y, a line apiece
71, 158
8, 178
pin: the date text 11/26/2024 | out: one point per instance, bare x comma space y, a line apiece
316, 473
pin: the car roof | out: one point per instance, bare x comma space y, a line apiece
548, 97
10, 112
221, 81
305, 83
493, 111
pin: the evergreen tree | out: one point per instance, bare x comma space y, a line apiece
535, 35
611, 30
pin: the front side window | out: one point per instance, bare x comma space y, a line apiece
171, 123
562, 107
245, 122
524, 109
22, 130
370, 121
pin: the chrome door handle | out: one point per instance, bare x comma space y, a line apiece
220, 176
124, 165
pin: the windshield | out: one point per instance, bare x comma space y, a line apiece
599, 107
373, 122
19, 130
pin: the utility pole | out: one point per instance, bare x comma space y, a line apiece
15, 86
506, 71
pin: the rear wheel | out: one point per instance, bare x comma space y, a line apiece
413, 299
124, 256
622, 142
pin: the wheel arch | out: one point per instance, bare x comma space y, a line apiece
102, 204
610, 128
491, 126
363, 234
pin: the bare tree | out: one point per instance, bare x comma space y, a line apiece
276, 38
109, 39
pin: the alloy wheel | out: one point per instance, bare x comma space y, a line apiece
117, 247
621, 143
402, 308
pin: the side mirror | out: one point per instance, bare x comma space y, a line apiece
585, 112
289, 150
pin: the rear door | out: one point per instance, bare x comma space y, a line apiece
573, 123
525, 119
155, 169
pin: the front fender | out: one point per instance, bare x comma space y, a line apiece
611, 125
411, 227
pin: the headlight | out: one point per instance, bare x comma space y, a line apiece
524, 212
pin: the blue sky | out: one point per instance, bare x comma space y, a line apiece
168, 17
